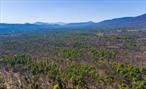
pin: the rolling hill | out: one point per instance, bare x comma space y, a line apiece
126, 22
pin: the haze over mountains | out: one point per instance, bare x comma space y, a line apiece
138, 22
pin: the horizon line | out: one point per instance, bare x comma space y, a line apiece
66, 22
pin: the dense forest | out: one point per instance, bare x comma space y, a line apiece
73, 59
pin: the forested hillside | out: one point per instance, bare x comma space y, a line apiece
73, 59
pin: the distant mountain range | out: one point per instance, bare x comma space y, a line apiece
45, 23
138, 22
126, 22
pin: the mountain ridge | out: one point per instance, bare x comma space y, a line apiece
138, 22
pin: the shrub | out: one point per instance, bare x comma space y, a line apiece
70, 53
80, 74
103, 53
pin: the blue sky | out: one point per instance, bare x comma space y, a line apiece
22, 11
